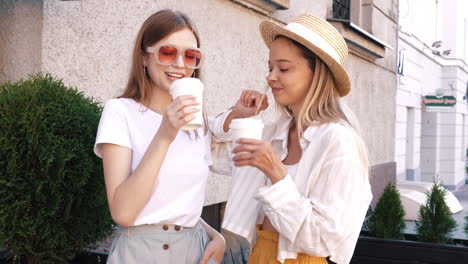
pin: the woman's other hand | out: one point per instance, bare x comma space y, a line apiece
214, 250
259, 154
250, 103
178, 113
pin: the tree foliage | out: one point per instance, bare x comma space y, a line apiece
436, 222
387, 219
52, 193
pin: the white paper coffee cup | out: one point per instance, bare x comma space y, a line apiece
245, 128
194, 87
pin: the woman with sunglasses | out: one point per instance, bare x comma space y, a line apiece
155, 174
303, 191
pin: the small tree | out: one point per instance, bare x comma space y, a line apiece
436, 222
387, 219
52, 193
466, 225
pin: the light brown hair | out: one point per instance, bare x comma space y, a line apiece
156, 27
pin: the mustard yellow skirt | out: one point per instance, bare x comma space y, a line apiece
265, 251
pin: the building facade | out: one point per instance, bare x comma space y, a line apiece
431, 141
88, 44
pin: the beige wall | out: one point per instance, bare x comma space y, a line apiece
373, 101
88, 44
20, 38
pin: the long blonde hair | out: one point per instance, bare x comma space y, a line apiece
322, 103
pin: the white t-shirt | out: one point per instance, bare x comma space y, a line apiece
179, 189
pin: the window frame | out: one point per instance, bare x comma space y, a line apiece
264, 6
348, 22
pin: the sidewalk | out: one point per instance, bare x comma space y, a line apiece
462, 195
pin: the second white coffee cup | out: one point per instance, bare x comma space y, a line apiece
246, 128
194, 87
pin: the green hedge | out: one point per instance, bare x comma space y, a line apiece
466, 225
52, 193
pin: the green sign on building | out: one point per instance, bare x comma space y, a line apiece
439, 103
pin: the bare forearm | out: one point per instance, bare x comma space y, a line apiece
132, 194
229, 118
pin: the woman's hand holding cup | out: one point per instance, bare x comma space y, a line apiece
250, 150
261, 155
178, 113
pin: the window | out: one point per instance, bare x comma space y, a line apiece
464, 149
357, 12
410, 144
353, 18
264, 6
341, 9
401, 62
465, 51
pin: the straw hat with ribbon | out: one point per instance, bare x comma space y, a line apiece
321, 38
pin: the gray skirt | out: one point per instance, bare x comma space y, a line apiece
159, 244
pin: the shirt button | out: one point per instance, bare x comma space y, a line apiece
177, 228
165, 227
165, 246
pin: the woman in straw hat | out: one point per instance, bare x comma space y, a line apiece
304, 189
157, 202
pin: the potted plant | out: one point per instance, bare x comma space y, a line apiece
436, 222
466, 225
442, 249
387, 219
52, 194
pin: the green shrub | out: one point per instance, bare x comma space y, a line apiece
466, 225
52, 193
436, 222
387, 219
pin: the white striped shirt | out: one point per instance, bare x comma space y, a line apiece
319, 211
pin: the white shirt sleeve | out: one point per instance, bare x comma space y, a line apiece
220, 145
216, 127
318, 224
113, 127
